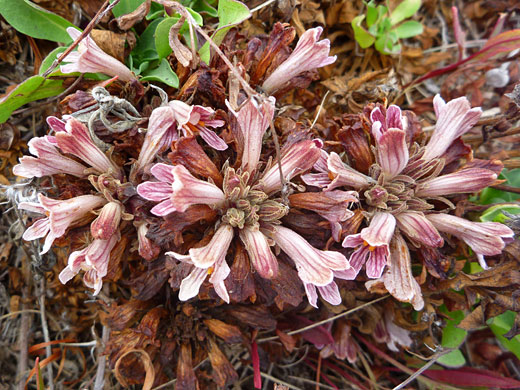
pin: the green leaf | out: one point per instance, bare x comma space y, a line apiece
31, 19
34, 88
495, 213
371, 14
125, 7
156, 11
162, 73
386, 44
202, 6
162, 42
230, 13
453, 359
48, 61
363, 38
409, 29
145, 49
404, 10
502, 324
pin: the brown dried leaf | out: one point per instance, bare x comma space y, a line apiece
150, 282
223, 371
181, 52
110, 42
186, 379
147, 364
473, 320
288, 341
355, 141
126, 22
288, 285
503, 275
186, 151
120, 317
229, 333
240, 284
254, 316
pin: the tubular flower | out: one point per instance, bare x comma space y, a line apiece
60, 214
93, 260
165, 123
454, 119
48, 160
207, 260
89, 58
485, 238
75, 139
372, 243
308, 54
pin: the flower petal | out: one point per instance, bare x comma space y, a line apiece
259, 252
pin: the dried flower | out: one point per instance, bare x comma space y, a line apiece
308, 54
89, 58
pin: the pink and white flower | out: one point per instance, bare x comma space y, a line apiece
454, 119
107, 222
48, 161
259, 252
462, 181
419, 229
308, 54
147, 249
89, 58
315, 267
485, 238
207, 260
76, 141
93, 260
160, 191
372, 245
60, 214
253, 119
297, 159
164, 125
392, 150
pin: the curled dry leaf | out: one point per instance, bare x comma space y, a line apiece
147, 364
126, 22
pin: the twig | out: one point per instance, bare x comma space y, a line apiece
431, 361
99, 383
506, 188
263, 5
316, 324
106, 7
275, 380
23, 343
46, 337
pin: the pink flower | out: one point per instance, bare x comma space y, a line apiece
91, 59
336, 174
188, 190
315, 267
253, 119
392, 150
208, 260
147, 249
160, 191
453, 120
93, 260
297, 159
76, 141
308, 54
107, 223
164, 125
465, 180
485, 238
419, 229
372, 243
329, 293
259, 252
48, 161
60, 214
